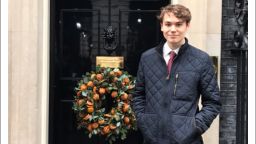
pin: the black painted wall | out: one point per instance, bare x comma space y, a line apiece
228, 82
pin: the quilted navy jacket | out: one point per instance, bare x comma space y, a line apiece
166, 107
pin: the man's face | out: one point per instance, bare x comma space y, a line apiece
174, 29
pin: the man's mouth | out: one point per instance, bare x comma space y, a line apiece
172, 36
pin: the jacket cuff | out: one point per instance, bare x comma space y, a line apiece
201, 127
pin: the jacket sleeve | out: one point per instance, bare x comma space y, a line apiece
138, 101
209, 90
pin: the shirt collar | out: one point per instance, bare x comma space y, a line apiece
167, 50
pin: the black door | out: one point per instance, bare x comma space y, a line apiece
77, 28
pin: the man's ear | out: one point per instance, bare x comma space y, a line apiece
161, 25
188, 24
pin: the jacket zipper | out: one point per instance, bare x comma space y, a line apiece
175, 84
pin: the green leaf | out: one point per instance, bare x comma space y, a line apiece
90, 135
97, 68
117, 118
85, 80
103, 110
95, 117
123, 136
94, 132
90, 119
118, 124
113, 138
84, 93
117, 131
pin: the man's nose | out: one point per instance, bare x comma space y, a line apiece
172, 28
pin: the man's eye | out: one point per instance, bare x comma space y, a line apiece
168, 24
178, 24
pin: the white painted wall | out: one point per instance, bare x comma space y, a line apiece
28, 74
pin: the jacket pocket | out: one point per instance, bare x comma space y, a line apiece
185, 86
185, 130
148, 126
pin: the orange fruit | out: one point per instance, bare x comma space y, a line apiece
126, 80
118, 73
101, 121
90, 109
106, 129
130, 87
107, 115
90, 84
112, 73
83, 87
112, 126
89, 127
123, 83
112, 112
126, 120
94, 89
125, 107
115, 79
88, 116
95, 125
124, 96
114, 94
89, 104
102, 91
99, 77
96, 97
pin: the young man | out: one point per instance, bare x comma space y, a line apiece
168, 86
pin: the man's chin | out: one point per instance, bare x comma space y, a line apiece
173, 41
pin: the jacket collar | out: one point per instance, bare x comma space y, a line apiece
159, 47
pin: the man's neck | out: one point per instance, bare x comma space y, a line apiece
177, 45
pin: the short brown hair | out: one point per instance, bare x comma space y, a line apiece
178, 10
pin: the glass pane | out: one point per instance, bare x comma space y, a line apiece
78, 41
140, 30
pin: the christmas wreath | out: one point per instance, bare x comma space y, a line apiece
102, 103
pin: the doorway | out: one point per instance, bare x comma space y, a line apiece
76, 29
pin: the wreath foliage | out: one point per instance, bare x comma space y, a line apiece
102, 103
